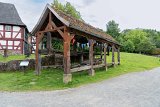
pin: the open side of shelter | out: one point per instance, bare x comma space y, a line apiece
74, 34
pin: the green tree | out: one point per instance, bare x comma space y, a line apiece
128, 46
67, 8
138, 41
113, 29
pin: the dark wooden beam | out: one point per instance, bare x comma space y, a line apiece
101, 50
49, 42
59, 31
113, 57
118, 55
39, 37
91, 44
53, 30
105, 56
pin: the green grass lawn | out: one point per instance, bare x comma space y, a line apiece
52, 79
15, 57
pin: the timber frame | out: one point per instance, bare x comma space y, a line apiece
52, 23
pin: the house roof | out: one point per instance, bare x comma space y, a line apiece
74, 23
9, 15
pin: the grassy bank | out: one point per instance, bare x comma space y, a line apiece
51, 79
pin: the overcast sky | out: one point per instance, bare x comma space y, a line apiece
128, 13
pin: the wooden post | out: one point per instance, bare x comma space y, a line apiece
118, 55
91, 44
101, 50
113, 58
37, 69
82, 59
49, 42
5, 53
105, 57
67, 76
39, 36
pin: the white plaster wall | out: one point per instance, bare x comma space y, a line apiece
7, 34
3, 42
10, 42
16, 43
1, 27
16, 28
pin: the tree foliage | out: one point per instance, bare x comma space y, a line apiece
67, 8
113, 29
136, 40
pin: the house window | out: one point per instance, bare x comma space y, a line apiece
7, 28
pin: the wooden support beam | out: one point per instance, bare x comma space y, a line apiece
91, 44
101, 50
38, 59
82, 58
113, 58
49, 42
52, 30
67, 77
105, 56
118, 55
59, 31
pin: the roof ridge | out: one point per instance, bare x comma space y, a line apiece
6, 3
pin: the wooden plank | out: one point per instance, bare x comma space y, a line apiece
99, 66
82, 68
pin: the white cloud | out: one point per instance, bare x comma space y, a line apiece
128, 13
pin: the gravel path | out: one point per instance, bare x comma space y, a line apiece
140, 89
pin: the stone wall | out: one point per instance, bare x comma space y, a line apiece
46, 61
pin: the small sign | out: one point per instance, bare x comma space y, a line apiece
24, 63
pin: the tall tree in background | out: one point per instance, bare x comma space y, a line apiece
113, 29
67, 8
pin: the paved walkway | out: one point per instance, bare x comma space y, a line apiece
140, 89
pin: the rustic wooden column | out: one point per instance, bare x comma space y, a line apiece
105, 57
113, 58
67, 76
91, 44
49, 42
39, 37
101, 50
82, 58
118, 55
37, 67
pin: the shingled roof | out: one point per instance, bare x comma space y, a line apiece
74, 23
9, 15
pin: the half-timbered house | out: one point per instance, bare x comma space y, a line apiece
13, 32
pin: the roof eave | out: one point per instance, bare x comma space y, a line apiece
42, 18
95, 35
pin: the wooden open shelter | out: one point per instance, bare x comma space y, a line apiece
56, 24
